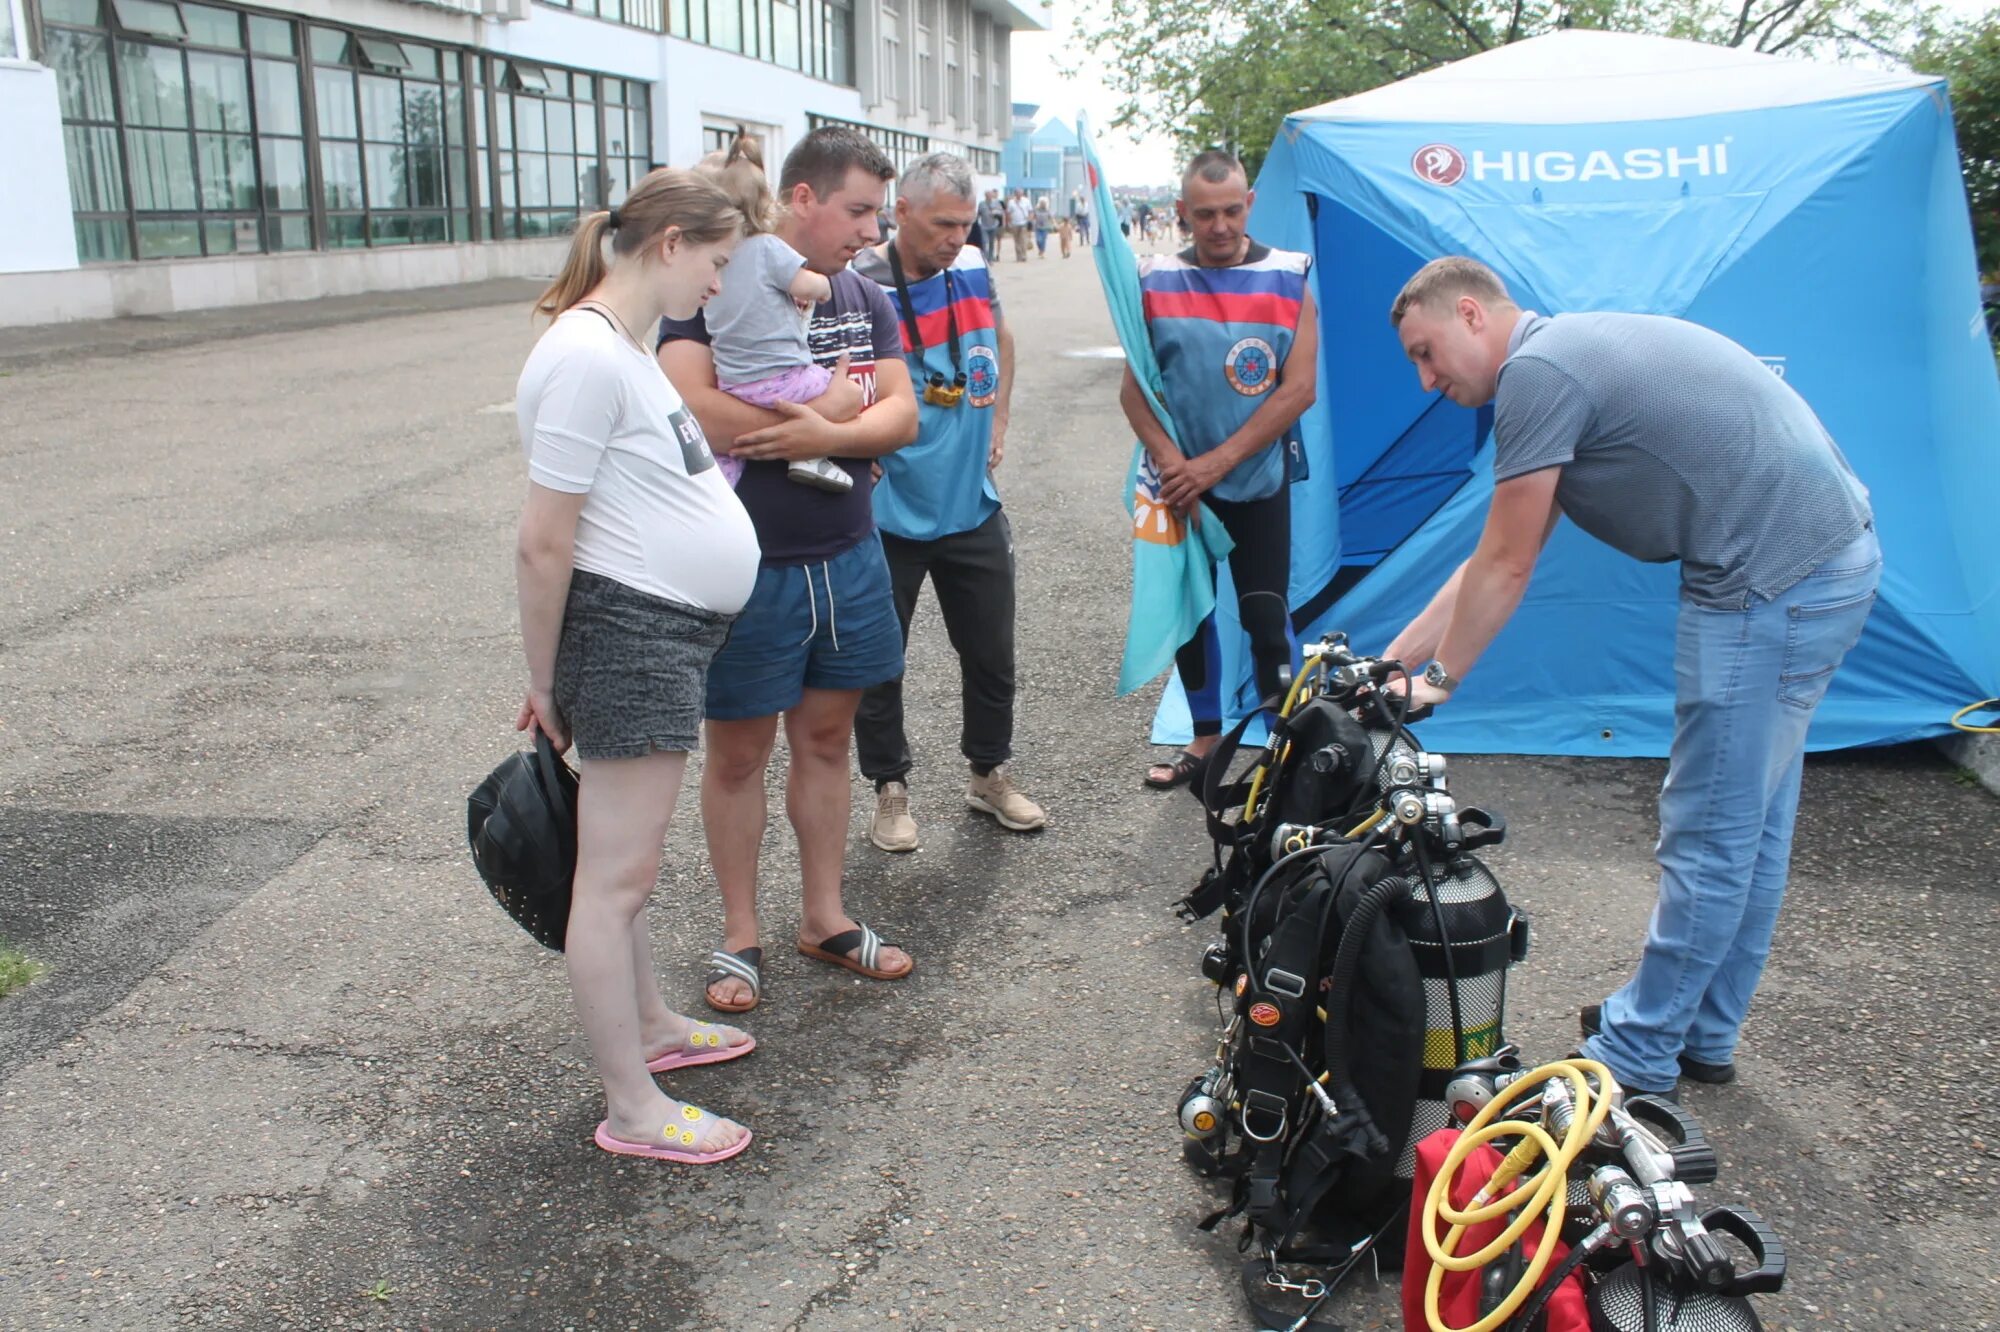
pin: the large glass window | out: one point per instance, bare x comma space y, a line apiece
814, 36
902, 147
725, 24
839, 39
635, 13
385, 110
160, 128
954, 45
565, 143
201, 129
926, 59
976, 58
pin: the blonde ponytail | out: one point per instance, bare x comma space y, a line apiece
669, 198
583, 267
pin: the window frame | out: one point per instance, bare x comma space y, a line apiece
17, 30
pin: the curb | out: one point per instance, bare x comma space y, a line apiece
1978, 754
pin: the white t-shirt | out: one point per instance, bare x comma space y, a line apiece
598, 418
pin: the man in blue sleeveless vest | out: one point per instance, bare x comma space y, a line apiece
1237, 337
936, 503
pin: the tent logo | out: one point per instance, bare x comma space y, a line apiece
1439, 163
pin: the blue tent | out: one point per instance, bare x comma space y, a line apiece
1813, 213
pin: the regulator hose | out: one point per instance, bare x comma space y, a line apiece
1546, 1192
1314, 667
1573, 1260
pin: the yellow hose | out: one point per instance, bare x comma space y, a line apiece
1958, 718
1317, 664
1547, 1192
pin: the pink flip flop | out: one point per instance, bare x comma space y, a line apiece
683, 1134
703, 1045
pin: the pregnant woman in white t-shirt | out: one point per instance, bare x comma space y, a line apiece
634, 557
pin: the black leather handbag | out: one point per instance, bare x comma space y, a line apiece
521, 824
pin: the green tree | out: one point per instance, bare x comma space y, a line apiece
1969, 55
1229, 72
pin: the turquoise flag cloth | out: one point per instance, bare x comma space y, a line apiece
1173, 561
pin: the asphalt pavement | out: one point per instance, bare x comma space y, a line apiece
292, 1068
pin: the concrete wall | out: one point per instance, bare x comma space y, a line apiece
707, 82
34, 209
167, 286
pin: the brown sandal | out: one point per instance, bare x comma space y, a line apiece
865, 943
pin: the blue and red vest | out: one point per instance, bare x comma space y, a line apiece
1222, 336
940, 485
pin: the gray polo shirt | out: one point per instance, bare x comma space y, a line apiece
1676, 444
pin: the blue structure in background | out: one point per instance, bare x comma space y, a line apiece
1042, 160
1815, 214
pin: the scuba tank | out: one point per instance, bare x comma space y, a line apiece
1463, 959
1364, 950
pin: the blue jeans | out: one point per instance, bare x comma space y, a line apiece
1747, 684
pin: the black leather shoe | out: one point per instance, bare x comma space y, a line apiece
1715, 1075
1591, 1020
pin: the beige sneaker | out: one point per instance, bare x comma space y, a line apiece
996, 794
893, 828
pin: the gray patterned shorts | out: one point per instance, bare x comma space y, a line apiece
632, 668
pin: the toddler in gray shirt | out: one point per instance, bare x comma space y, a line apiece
757, 323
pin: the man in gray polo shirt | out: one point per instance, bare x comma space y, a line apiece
1666, 441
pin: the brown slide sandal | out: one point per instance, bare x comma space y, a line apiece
869, 945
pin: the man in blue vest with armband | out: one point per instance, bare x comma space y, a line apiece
1237, 336
936, 504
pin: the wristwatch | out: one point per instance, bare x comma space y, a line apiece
1437, 677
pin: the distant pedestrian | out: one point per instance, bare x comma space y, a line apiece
1066, 231
757, 325
1019, 218
633, 559
1080, 209
1045, 221
992, 222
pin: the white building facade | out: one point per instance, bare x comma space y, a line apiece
163, 155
